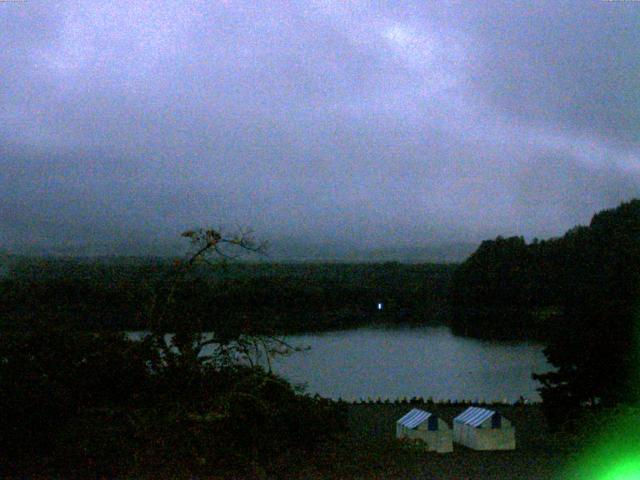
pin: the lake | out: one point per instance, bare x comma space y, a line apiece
420, 361
393, 362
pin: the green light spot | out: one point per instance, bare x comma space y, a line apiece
626, 471
614, 451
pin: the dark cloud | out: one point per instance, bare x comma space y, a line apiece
325, 120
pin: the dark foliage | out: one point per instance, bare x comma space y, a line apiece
79, 403
264, 298
51, 374
596, 347
579, 293
501, 291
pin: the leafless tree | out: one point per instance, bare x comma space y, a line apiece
185, 347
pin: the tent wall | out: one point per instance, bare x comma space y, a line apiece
440, 440
478, 438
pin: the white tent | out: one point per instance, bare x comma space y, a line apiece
482, 429
426, 427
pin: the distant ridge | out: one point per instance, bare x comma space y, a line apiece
439, 253
278, 251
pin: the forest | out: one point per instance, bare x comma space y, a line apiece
108, 294
510, 287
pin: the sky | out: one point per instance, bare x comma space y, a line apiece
364, 123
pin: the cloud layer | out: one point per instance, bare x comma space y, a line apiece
359, 122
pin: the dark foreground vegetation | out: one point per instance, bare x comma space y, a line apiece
77, 405
358, 443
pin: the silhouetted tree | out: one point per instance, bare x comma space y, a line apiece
596, 348
492, 291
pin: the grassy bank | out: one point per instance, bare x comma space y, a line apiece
368, 449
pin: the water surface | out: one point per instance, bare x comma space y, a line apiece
422, 361
398, 362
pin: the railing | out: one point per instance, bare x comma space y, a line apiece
432, 401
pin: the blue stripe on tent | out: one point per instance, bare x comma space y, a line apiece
414, 418
474, 416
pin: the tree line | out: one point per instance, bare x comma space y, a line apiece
275, 298
579, 293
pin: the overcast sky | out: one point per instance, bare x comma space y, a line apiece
375, 123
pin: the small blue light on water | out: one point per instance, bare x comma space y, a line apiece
379, 306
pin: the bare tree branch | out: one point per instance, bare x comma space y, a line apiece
208, 244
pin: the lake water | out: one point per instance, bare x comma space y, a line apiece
398, 362
421, 361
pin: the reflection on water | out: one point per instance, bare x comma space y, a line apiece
424, 361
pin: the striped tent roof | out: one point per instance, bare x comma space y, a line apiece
474, 416
414, 418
